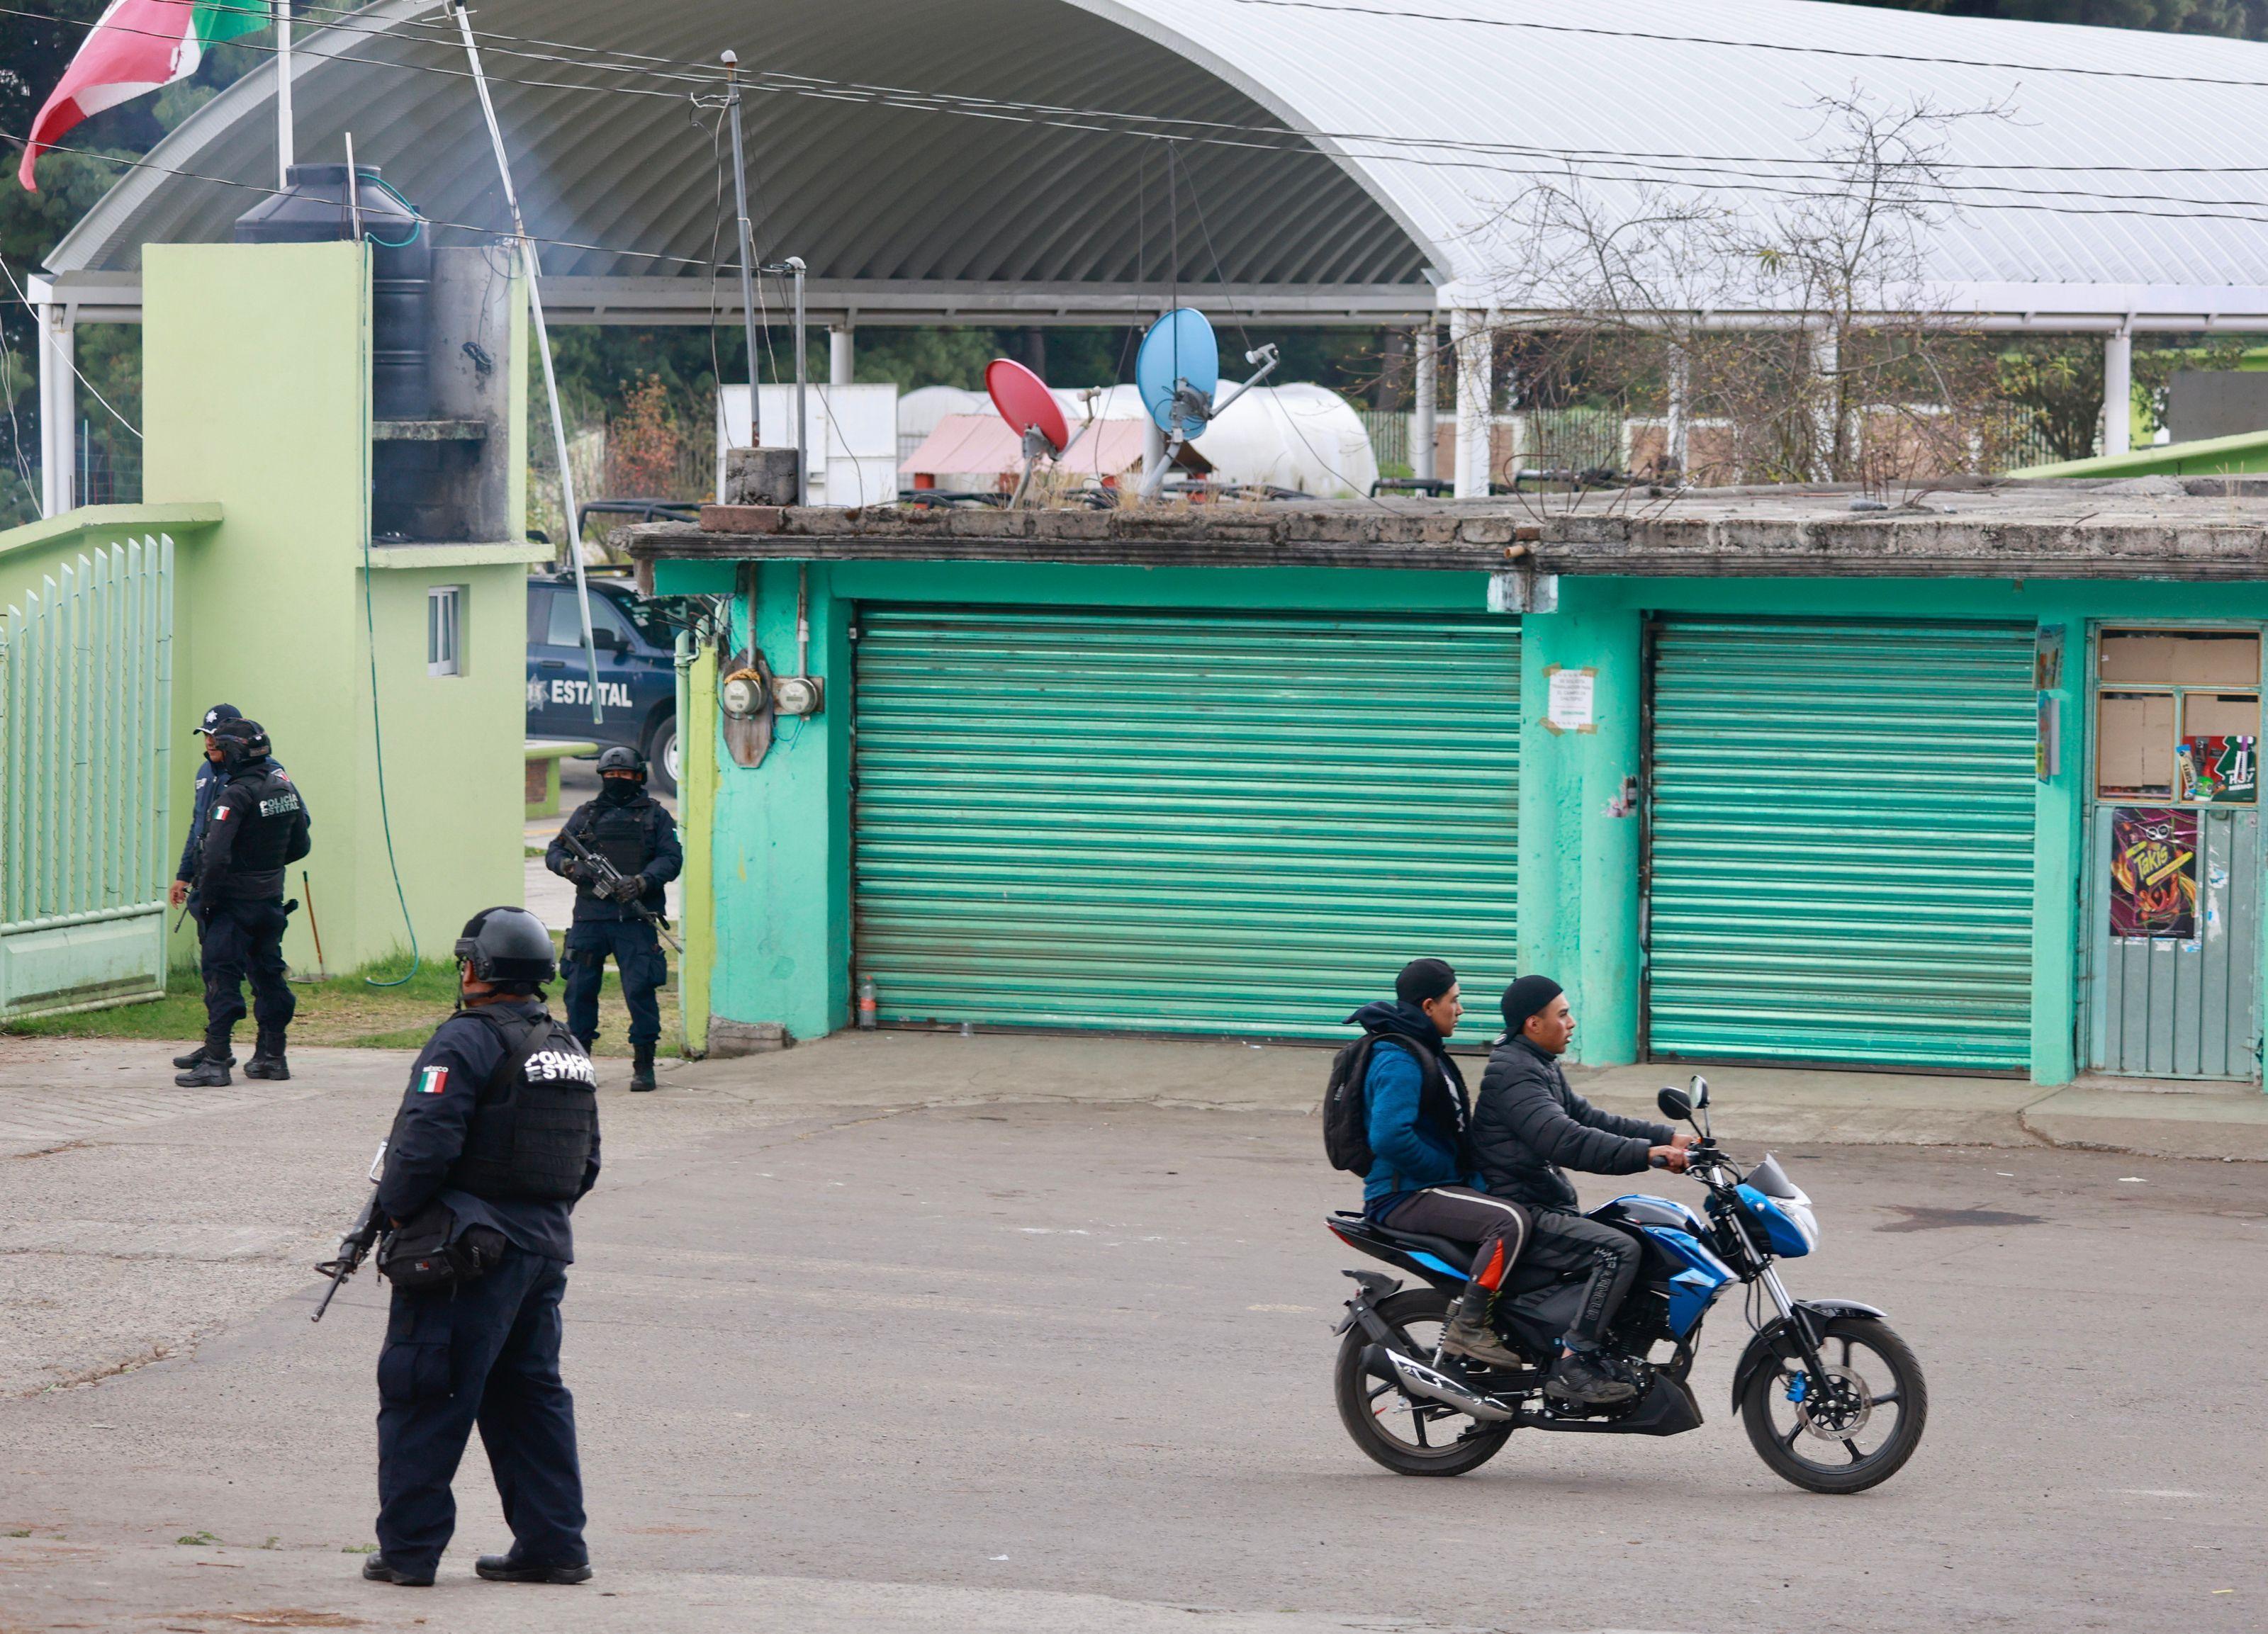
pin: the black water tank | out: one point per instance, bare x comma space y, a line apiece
313, 210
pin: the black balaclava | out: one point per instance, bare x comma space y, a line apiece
620, 790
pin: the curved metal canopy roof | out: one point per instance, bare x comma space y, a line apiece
1340, 160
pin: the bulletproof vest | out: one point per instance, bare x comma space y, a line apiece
623, 835
536, 1119
264, 801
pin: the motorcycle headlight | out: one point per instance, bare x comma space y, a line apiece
1800, 1235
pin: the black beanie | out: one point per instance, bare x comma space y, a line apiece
1526, 997
1422, 979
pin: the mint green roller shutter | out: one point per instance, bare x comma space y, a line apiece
1840, 851
1188, 822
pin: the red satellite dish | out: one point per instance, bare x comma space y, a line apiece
1023, 402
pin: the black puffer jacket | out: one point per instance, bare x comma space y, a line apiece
1529, 1123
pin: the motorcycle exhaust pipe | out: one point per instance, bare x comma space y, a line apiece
1415, 1379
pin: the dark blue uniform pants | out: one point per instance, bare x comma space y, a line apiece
637, 955
237, 939
489, 1354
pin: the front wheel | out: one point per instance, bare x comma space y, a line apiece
1410, 1437
1852, 1430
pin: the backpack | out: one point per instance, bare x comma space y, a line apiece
1346, 1108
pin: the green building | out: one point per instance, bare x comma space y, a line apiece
389, 673
1967, 785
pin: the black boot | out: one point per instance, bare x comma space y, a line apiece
1582, 1378
378, 1569
212, 1071
642, 1065
1469, 1334
199, 1057
505, 1569
268, 1056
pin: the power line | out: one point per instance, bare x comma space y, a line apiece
1758, 45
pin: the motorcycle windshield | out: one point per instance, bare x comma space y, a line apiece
1769, 1178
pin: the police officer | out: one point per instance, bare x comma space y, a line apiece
631, 829
257, 825
497, 1139
210, 780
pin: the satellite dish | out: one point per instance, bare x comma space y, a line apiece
1178, 356
1026, 403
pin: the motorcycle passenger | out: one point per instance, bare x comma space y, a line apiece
1419, 1112
1527, 1125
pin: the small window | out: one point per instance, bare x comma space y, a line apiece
567, 619
445, 606
540, 597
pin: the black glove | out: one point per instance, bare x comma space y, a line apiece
628, 888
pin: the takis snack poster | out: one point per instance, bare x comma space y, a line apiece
2154, 874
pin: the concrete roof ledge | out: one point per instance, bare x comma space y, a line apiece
2156, 527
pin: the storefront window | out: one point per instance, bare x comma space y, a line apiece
2178, 716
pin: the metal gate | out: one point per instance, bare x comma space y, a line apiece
86, 699
1192, 822
1840, 852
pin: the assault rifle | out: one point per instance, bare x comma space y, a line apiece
610, 881
355, 1246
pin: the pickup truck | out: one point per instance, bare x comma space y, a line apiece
637, 672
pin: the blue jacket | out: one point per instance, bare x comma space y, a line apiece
1417, 1140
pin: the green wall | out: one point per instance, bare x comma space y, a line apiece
781, 832
256, 392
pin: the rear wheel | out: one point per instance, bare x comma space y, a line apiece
661, 755
1410, 1436
1852, 1430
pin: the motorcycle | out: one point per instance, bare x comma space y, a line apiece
1832, 1399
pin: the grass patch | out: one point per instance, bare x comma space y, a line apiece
346, 1010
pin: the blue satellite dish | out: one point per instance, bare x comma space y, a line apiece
1180, 346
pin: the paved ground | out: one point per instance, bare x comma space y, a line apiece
911, 1333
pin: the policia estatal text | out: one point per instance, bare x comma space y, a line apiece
255, 825
497, 1139
633, 831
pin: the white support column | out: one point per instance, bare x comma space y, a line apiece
839, 338
284, 157
1468, 335
1826, 364
2118, 393
1676, 434
58, 406
1423, 433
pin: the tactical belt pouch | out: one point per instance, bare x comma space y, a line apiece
427, 1251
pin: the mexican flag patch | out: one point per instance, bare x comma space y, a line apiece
432, 1081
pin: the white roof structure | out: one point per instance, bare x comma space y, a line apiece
1336, 161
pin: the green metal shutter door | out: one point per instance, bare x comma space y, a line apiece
1191, 822
1841, 842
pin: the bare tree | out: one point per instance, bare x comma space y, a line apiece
1794, 343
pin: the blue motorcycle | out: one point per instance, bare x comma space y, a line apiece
1833, 1399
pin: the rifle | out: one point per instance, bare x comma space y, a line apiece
354, 1245
609, 877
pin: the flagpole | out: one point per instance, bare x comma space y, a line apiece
543, 348
284, 154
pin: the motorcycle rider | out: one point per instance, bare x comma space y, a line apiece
1418, 1114
1526, 1125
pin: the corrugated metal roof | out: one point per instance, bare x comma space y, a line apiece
878, 193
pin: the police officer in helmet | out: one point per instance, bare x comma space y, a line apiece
255, 826
497, 1139
631, 831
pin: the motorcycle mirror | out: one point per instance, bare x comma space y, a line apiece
1674, 1105
1700, 1090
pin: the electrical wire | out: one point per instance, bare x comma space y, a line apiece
82, 379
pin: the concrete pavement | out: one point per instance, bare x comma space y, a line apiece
1015, 1334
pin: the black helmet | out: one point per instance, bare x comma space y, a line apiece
507, 947
621, 759
239, 740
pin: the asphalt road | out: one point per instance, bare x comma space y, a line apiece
852, 1358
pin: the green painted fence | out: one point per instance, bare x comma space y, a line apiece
85, 700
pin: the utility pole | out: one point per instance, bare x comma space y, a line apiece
748, 240
542, 337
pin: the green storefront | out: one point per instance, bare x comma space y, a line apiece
1928, 822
